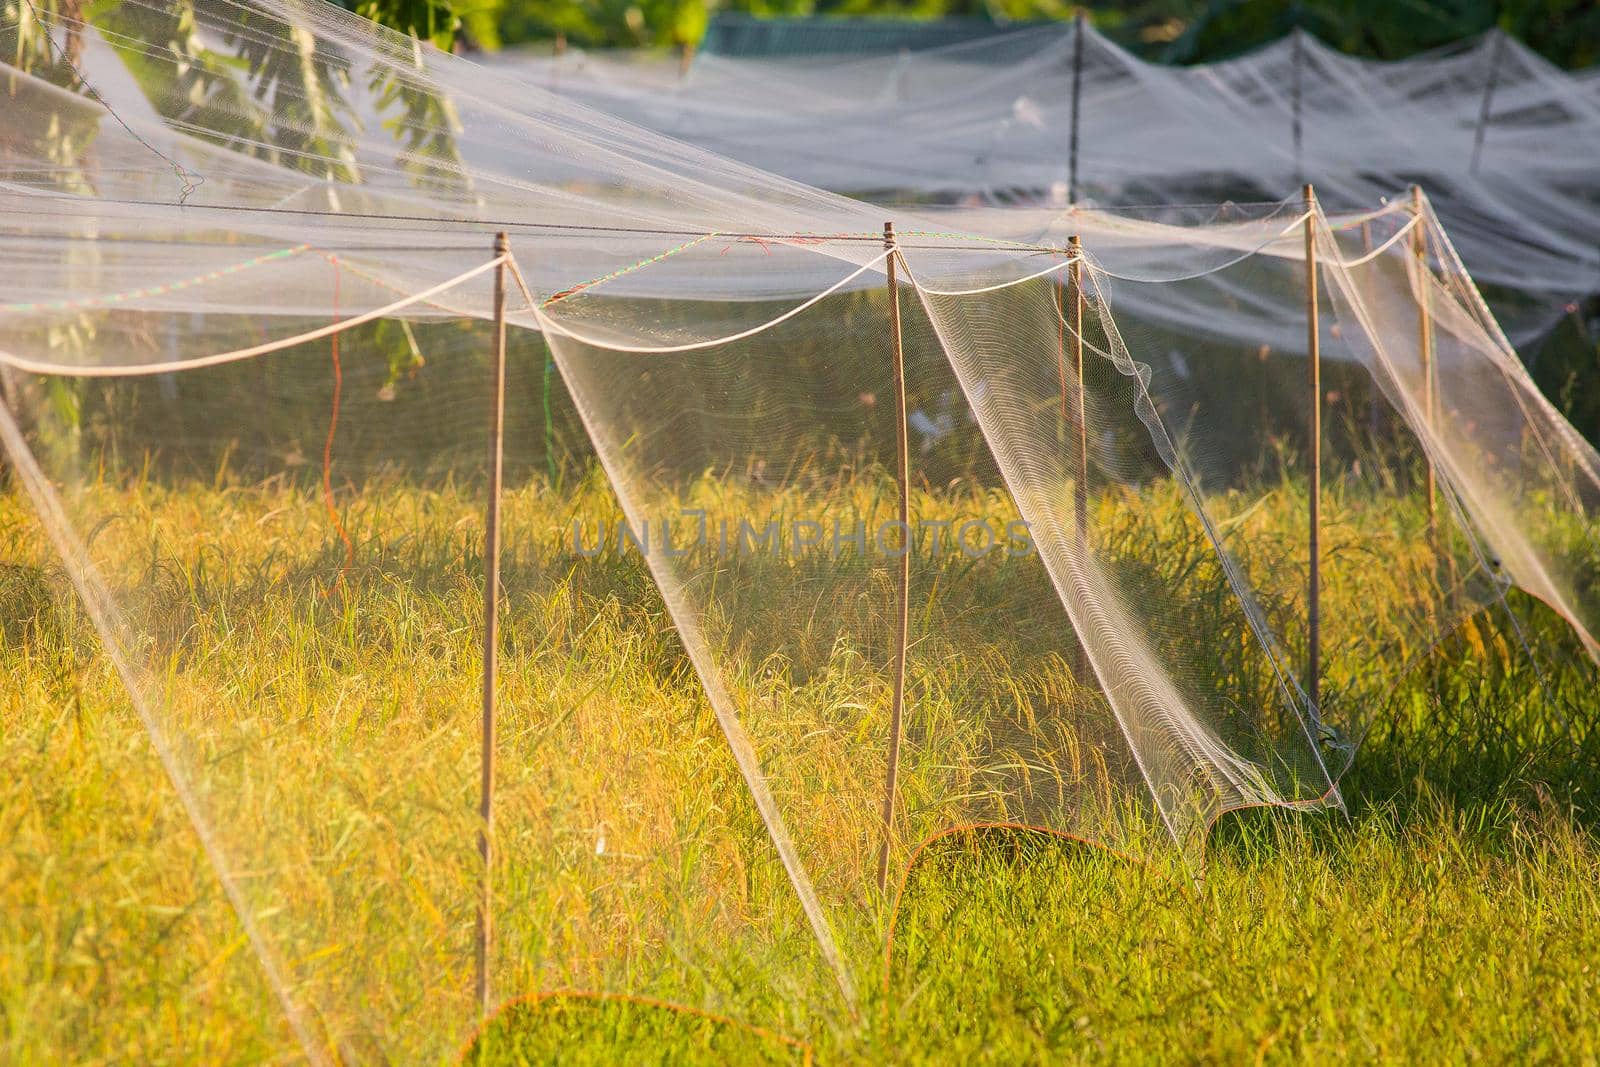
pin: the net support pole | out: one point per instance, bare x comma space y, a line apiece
1058, 296
1080, 429
1079, 26
1080, 492
491, 620
1486, 108
903, 608
1419, 249
1314, 491
1296, 75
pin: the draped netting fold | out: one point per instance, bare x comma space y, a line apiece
998, 516
1505, 142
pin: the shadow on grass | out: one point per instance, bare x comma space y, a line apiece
1482, 762
1479, 735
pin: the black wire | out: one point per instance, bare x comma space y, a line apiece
191, 180
506, 224
238, 246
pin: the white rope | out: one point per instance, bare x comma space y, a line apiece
1280, 235
549, 325
522, 284
1350, 222
1381, 249
132, 370
1002, 285
1240, 258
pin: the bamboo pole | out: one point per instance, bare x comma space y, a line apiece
1419, 248
1080, 423
1081, 24
1080, 493
1056, 300
1314, 357
903, 616
491, 619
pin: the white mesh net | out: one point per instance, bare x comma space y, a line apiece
1055, 115
911, 531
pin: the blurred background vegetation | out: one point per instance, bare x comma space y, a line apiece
1567, 32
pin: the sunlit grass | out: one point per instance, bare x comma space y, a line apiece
330, 727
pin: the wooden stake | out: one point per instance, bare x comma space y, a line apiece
1080, 424
1419, 248
491, 618
1061, 361
1314, 354
1080, 492
903, 617
1077, 92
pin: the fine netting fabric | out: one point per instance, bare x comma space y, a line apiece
1053, 115
1048, 632
1134, 559
246, 340
297, 607
1520, 476
1226, 354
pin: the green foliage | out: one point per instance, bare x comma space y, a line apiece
25, 44
286, 104
1564, 31
1567, 32
609, 23
439, 22
426, 20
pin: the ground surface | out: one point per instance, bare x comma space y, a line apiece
1454, 915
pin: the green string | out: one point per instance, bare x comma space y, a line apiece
87, 302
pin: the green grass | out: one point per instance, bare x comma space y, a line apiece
330, 728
